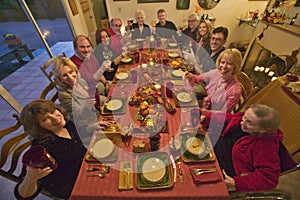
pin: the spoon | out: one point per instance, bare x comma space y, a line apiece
101, 175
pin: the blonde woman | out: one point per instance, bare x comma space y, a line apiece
222, 87
140, 29
74, 97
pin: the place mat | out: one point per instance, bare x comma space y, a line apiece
166, 182
191, 158
126, 175
211, 177
116, 139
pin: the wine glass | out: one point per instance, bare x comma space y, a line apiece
108, 54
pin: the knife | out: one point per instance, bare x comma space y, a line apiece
174, 167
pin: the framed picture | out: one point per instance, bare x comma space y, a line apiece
182, 4
151, 1
73, 7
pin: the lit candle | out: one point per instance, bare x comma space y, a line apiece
267, 70
271, 73
256, 68
273, 78
261, 69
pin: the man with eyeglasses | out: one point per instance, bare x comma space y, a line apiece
116, 36
217, 42
193, 24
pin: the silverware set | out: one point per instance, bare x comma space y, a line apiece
127, 169
198, 172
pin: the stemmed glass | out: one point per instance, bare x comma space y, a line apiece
108, 54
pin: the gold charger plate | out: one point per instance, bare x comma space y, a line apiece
206, 156
165, 182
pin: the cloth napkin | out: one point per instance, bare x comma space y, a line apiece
211, 177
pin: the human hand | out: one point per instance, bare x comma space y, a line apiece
229, 181
35, 174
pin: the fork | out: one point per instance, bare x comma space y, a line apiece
126, 169
197, 173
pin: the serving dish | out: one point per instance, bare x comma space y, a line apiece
200, 152
154, 171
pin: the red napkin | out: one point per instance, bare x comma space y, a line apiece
206, 177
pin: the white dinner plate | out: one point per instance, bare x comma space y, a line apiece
184, 97
126, 60
153, 170
177, 73
122, 75
139, 39
172, 44
131, 46
195, 146
103, 148
173, 54
114, 104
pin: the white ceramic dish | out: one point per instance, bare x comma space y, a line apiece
177, 73
154, 170
122, 75
114, 104
172, 44
195, 146
173, 54
139, 39
102, 148
126, 60
184, 97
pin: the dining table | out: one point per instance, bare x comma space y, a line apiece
149, 74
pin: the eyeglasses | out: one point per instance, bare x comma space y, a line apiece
118, 25
192, 20
216, 39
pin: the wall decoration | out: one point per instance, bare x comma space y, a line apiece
151, 1
73, 7
182, 4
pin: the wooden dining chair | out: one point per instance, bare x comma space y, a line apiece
247, 90
50, 92
15, 142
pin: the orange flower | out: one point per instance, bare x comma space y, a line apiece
197, 8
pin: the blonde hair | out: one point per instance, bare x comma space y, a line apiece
58, 62
235, 56
140, 13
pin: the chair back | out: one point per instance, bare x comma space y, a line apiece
50, 92
247, 90
14, 142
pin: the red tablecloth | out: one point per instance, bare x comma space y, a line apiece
107, 188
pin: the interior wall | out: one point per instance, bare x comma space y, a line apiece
226, 13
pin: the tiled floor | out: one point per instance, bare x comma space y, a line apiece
25, 85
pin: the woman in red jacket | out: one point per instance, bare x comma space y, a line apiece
248, 149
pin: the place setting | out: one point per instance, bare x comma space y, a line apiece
114, 106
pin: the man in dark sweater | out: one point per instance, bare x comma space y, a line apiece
165, 28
